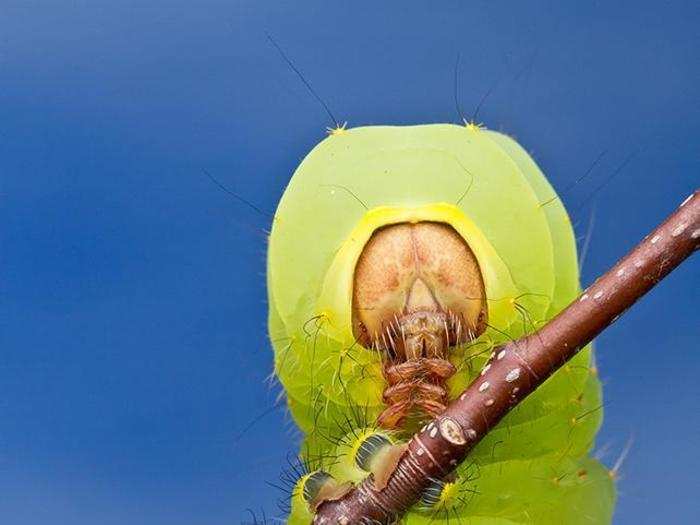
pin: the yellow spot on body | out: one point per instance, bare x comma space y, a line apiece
339, 130
474, 126
449, 496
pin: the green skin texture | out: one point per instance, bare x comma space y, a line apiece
529, 468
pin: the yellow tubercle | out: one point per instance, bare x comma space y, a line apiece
449, 496
340, 129
472, 125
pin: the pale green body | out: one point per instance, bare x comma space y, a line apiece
530, 466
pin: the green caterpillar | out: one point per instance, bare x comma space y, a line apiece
534, 467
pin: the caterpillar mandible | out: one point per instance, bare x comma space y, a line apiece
399, 257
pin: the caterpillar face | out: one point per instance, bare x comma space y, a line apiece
399, 258
417, 291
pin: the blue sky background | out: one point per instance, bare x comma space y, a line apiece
133, 352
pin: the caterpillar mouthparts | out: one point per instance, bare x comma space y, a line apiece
424, 333
416, 364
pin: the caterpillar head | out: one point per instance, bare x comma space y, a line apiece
417, 292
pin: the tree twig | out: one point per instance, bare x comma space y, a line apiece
515, 370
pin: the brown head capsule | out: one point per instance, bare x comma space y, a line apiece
417, 291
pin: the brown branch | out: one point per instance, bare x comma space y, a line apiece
515, 370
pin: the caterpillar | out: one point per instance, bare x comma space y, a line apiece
399, 258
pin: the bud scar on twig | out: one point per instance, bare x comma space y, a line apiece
418, 290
